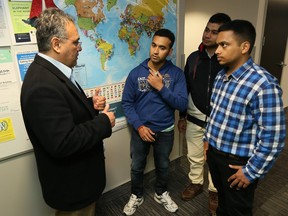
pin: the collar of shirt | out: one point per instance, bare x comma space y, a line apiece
63, 68
236, 75
208, 54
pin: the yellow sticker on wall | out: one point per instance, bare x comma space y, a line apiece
6, 130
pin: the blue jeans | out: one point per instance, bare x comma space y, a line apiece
139, 150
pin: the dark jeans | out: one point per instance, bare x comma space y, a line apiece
232, 202
139, 150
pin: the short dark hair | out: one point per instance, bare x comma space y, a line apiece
219, 18
166, 33
243, 29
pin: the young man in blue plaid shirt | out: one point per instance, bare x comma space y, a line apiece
246, 130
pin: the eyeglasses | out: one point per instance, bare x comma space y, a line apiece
76, 43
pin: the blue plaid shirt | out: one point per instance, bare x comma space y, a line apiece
247, 117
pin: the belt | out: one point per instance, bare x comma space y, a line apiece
227, 154
196, 121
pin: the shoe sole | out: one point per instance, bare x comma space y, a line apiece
136, 208
158, 201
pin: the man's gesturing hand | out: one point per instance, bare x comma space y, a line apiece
110, 115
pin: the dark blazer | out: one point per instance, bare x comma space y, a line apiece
66, 134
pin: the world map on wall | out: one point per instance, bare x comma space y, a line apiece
116, 35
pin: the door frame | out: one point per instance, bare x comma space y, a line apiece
283, 84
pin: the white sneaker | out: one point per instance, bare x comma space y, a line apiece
166, 201
132, 204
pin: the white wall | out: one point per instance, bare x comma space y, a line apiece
20, 192
197, 14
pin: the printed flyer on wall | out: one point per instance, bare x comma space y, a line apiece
4, 31
23, 32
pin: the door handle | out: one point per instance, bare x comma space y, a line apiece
281, 64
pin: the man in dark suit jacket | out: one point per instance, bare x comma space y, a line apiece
64, 126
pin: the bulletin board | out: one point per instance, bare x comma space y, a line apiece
16, 42
116, 42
